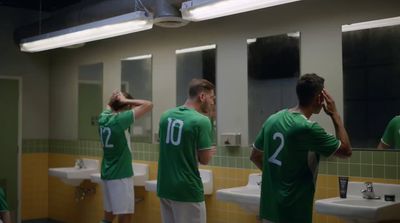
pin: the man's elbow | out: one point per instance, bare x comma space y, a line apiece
204, 162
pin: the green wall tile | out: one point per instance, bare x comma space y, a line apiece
343, 169
366, 170
355, 157
378, 171
366, 157
390, 158
355, 170
390, 172
378, 157
322, 168
332, 168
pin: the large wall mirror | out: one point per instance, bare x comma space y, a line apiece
90, 100
136, 79
273, 70
371, 75
197, 62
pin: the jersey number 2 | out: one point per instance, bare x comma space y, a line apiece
105, 134
171, 138
273, 158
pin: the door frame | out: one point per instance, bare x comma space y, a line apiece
19, 144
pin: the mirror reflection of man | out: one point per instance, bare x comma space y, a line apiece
4, 211
391, 136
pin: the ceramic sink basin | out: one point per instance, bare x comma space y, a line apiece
140, 171
247, 197
355, 208
75, 175
206, 178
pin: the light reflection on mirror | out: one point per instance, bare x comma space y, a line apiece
90, 100
371, 80
136, 79
197, 62
273, 70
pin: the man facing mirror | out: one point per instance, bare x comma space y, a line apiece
287, 151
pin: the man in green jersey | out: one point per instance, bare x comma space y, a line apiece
185, 140
116, 166
4, 212
287, 150
391, 136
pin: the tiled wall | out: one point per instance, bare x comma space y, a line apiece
231, 167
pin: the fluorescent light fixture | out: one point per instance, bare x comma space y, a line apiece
102, 29
198, 10
142, 57
196, 49
372, 24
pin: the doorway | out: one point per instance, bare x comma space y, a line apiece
10, 98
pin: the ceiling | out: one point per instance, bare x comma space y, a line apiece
46, 5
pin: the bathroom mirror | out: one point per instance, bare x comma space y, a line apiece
371, 80
136, 79
90, 100
273, 70
197, 62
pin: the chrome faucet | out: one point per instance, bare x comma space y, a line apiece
79, 164
369, 193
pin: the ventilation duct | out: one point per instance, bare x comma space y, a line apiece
167, 14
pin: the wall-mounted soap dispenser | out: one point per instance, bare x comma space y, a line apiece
231, 139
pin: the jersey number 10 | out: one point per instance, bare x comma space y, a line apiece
174, 137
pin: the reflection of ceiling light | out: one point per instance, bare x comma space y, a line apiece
295, 35
253, 40
142, 57
102, 29
372, 24
197, 10
196, 49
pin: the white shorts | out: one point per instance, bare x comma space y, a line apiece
119, 196
182, 212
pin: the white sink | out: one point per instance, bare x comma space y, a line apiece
140, 171
354, 208
206, 178
247, 197
75, 175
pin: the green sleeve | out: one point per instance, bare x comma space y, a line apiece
388, 136
259, 143
322, 142
204, 134
3, 202
126, 119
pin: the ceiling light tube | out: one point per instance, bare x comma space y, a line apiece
196, 49
142, 57
198, 10
102, 29
372, 24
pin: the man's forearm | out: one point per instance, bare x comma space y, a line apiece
341, 132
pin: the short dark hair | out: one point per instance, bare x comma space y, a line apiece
117, 105
308, 86
196, 86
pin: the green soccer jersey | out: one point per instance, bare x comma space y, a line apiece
183, 131
291, 145
3, 201
391, 136
115, 137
